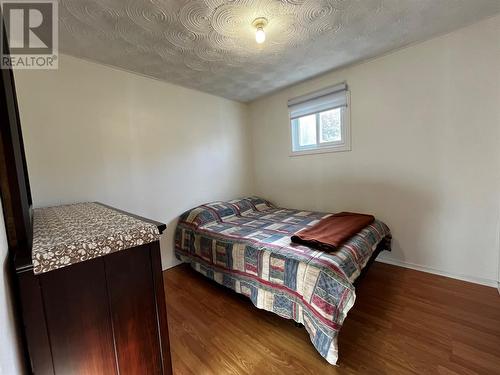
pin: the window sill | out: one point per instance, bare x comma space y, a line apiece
325, 150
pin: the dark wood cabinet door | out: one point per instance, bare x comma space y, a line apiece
161, 307
78, 319
133, 311
35, 329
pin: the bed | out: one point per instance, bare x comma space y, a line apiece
244, 244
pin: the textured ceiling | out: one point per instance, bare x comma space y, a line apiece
210, 45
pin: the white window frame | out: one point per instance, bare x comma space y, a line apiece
325, 147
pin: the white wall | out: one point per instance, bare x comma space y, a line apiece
10, 357
425, 151
425, 147
94, 133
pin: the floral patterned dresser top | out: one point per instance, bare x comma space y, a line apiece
69, 234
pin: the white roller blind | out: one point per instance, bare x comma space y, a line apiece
318, 101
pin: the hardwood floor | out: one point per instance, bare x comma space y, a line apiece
404, 321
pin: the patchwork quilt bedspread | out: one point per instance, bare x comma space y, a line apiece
245, 245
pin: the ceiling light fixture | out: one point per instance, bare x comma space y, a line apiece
259, 24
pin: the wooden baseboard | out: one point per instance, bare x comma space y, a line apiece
413, 266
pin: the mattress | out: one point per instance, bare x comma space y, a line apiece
245, 245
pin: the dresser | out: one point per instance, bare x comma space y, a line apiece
85, 278
91, 293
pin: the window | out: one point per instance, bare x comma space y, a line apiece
320, 121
